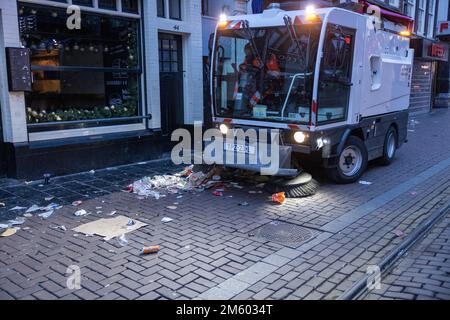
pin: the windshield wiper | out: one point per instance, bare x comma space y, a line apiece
292, 33
251, 36
294, 38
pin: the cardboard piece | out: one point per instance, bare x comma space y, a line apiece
109, 228
9, 232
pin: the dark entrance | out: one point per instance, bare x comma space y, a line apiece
171, 82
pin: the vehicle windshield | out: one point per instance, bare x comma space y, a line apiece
265, 74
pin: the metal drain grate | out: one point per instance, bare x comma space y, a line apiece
288, 234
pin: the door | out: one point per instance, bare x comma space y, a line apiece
171, 82
335, 75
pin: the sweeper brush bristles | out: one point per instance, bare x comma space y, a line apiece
300, 187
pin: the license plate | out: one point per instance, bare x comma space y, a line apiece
239, 148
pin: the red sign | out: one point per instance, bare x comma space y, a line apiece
437, 51
444, 28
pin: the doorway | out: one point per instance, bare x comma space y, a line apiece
171, 82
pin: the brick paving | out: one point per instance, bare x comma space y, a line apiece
424, 274
209, 249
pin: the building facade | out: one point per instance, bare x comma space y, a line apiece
100, 83
442, 99
429, 53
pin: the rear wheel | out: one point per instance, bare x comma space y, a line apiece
352, 162
390, 147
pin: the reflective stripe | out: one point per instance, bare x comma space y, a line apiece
255, 99
236, 90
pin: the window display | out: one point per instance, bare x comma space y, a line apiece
91, 73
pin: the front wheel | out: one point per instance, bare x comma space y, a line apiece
352, 162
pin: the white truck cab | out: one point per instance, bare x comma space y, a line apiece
335, 82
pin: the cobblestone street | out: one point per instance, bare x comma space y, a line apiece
216, 248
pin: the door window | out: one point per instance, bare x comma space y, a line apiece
335, 75
169, 55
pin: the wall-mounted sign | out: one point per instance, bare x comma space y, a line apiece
430, 50
438, 51
443, 28
19, 69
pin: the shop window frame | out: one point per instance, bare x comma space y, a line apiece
119, 10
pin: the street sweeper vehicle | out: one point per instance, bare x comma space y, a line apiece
335, 83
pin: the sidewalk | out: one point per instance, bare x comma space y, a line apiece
216, 249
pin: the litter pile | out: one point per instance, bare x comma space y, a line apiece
199, 179
185, 181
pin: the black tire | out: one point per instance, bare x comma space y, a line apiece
299, 187
337, 173
388, 153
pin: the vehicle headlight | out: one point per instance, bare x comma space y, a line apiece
299, 137
224, 128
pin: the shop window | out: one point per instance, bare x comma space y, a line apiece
81, 75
